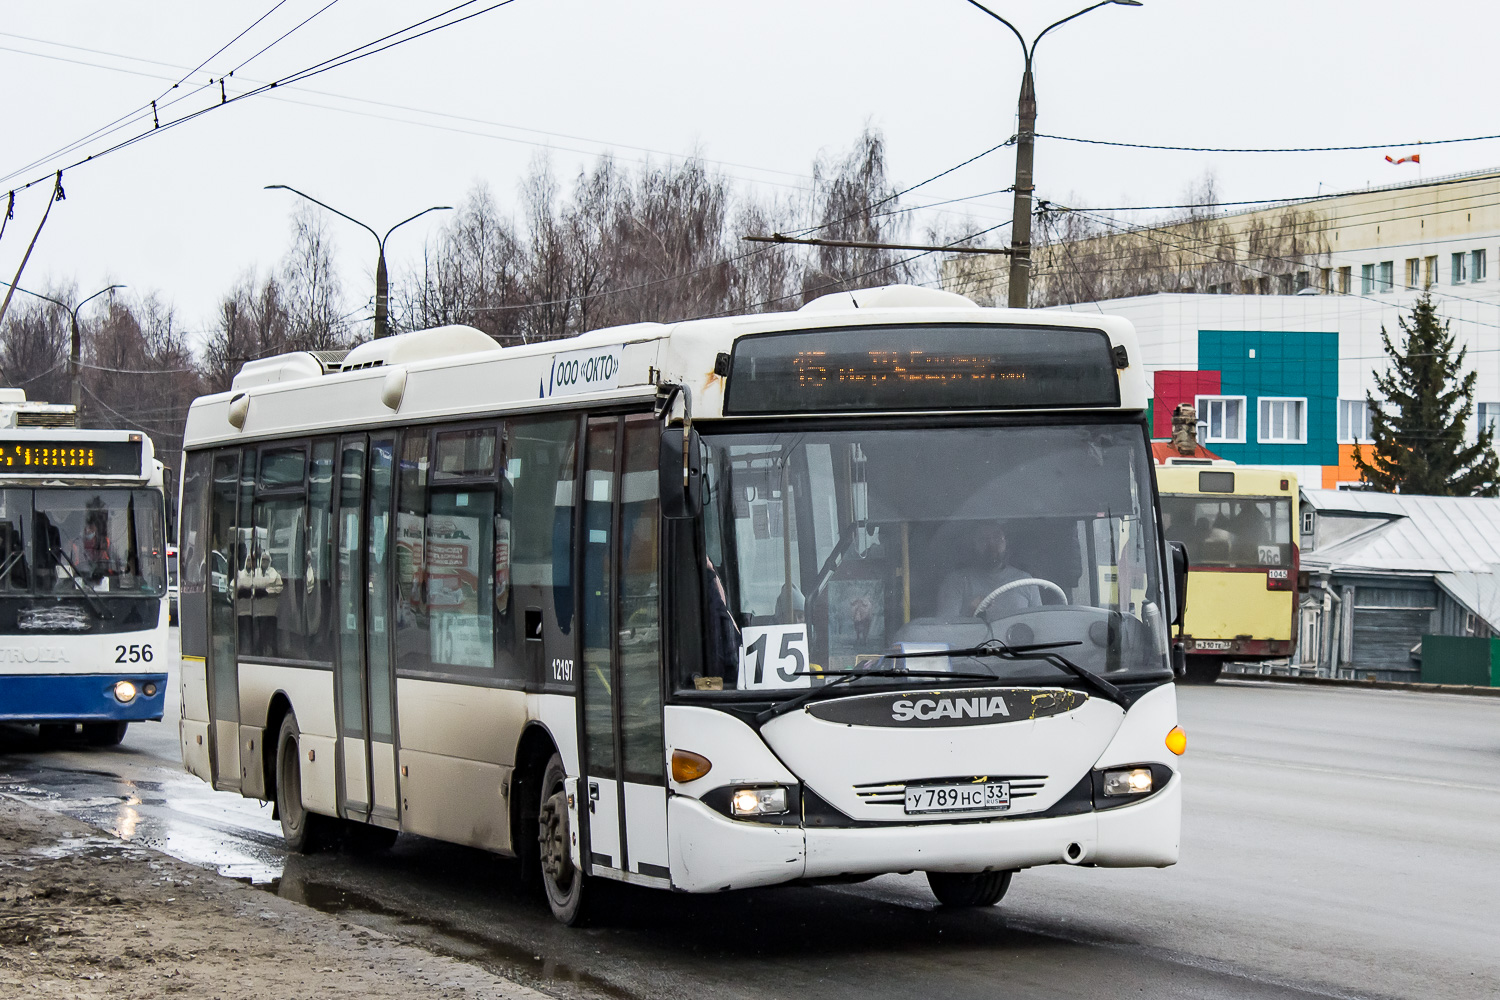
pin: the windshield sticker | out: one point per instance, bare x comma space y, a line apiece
774, 657
960, 707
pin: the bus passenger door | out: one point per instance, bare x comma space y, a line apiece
379, 682
349, 605
624, 760
223, 672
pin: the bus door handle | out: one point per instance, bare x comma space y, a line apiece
593, 796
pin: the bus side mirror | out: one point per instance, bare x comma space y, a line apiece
679, 500
1179, 581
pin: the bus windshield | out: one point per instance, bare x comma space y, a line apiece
825, 550
1230, 531
60, 540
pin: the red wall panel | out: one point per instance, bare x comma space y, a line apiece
1172, 388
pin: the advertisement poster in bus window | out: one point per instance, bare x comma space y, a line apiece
410, 551
460, 636
856, 620
502, 563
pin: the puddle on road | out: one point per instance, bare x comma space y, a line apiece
509, 960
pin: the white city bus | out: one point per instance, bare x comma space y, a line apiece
83, 611
874, 586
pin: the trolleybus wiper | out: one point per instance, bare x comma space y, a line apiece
844, 676
1032, 651
95, 605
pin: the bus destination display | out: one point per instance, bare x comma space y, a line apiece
931, 368
62, 458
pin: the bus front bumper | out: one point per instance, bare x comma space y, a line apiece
711, 852
80, 698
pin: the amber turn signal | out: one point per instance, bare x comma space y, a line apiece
1177, 740
689, 766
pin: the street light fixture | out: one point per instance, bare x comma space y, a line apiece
1020, 226
382, 287
75, 353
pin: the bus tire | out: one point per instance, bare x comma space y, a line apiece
303, 831
969, 888
104, 734
1203, 669
561, 879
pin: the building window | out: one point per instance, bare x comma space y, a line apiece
1387, 275
1346, 280
1460, 272
1414, 272
1429, 271
1476, 265
1354, 422
1489, 416
1366, 279
1282, 421
1284, 285
1325, 281
1224, 417
1263, 285
1307, 522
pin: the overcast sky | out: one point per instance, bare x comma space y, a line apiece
758, 89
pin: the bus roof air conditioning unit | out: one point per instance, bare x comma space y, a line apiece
420, 345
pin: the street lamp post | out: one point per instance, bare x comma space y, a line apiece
1020, 226
75, 349
382, 287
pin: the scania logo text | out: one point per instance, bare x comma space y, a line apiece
924, 709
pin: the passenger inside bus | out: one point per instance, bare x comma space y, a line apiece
987, 570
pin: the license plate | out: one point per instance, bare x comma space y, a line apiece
958, 797
1210, 643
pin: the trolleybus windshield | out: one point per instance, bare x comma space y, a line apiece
826, 549
62, 540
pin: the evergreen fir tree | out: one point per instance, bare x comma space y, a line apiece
1419, 427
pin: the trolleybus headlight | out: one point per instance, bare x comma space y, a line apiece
760, 801
124, 691
1133, 781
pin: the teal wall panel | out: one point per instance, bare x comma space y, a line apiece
1286, 363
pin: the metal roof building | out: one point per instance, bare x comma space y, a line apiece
1385, 569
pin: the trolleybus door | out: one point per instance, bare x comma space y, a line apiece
223, 672
366, 752
624, 762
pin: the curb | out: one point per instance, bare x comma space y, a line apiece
1468, 689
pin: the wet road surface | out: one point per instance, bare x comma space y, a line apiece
1335, 843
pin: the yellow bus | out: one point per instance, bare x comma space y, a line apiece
1237, 524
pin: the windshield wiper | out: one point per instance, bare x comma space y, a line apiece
1033, 651
95, 605
845, 676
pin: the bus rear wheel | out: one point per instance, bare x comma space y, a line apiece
969, 888
104, 734
1203, 669
561, 879
303, 831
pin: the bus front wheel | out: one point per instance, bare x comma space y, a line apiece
1203, 669
969, 888
303, 831
561, 879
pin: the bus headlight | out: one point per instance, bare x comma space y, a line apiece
124, 691
759, 801
1133, 781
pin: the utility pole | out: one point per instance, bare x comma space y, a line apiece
382, 286
1020, 224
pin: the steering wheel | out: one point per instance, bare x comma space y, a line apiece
1004, 588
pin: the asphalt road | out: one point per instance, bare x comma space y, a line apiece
1335, 843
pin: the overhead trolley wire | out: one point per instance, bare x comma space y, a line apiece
1265, 149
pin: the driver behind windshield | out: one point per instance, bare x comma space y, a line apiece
964, 588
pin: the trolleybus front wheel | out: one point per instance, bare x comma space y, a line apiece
303, 831
969, 888
561, 879
1203, 669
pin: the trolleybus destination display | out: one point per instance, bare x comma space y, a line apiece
96, 458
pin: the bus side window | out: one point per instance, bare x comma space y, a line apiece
412, 640
192, 555
317, 617
537, 477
